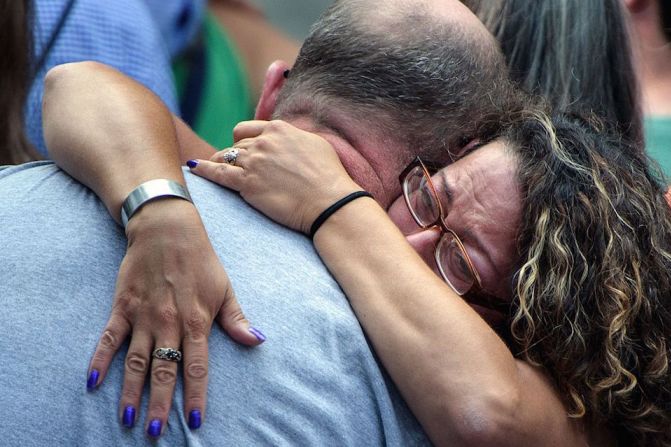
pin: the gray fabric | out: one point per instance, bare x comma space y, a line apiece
314, 382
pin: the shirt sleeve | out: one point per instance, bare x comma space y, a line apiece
118, 33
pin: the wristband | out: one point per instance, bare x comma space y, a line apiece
148, 191
335, 207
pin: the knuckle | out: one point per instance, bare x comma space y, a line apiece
125, 302
277, 125
261, 142
234, 313
168, 314
196, 326
109, 341
196, 369
163, 374
136, 363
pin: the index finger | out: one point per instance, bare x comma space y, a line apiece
248, 129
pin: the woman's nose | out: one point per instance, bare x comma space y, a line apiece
424, 242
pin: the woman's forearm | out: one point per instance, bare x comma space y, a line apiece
451, 367
108, 131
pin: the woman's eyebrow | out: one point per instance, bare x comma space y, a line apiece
444, 187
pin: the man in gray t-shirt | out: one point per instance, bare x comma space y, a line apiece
314, 382
381, 98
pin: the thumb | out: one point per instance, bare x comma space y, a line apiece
231, 318
223, 174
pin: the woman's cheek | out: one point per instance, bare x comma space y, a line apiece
400, 215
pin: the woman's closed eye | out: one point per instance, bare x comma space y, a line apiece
458, 263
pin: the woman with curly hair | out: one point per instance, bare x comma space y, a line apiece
556, 222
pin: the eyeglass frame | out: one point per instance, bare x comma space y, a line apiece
440, 222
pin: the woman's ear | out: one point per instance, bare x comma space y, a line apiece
273, 83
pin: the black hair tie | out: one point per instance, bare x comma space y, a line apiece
335, 207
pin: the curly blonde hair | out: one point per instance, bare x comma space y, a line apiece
591, 295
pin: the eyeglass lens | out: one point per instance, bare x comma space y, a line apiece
425, 208
420, 197
453, 265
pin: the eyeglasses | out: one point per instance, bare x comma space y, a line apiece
423, 202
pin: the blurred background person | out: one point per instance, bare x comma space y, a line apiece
120, 33
220, 73
15, 45
651, 36
139, 38
575, 53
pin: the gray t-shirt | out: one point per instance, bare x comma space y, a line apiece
315, 381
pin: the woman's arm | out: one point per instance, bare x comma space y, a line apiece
455, 372
112, 134
457, 375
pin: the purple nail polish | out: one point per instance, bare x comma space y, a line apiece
129, 416
92, 381
192, 163
258, 334
154, 429
194, 419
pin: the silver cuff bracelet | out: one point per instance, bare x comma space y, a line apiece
148, 191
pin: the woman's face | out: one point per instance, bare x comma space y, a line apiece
481, 197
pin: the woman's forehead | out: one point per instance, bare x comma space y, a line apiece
491, 166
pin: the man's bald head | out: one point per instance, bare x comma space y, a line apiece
425, 72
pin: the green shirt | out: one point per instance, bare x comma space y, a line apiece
658, 141
226, 98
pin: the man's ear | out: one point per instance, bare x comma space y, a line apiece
272, 85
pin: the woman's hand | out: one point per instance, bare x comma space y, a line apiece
288, 174
170, 288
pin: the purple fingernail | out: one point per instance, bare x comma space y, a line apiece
194, 419
258, 334
129, 416
154, 429
92, 381
192, 163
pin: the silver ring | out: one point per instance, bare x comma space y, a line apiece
231, 156
172, 355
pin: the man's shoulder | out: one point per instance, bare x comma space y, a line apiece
229, 219
314, 381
